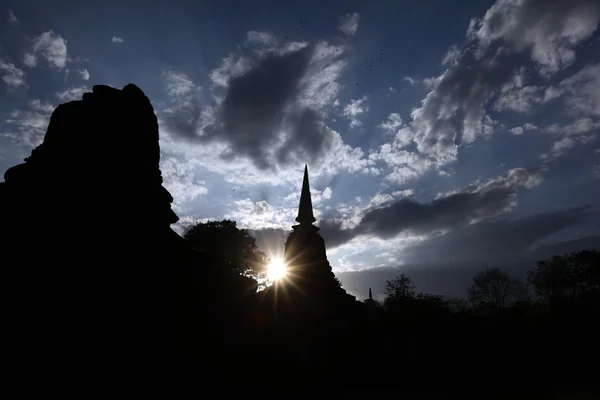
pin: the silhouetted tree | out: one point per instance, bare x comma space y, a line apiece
574, 276
228, 247
493, 289
399, 289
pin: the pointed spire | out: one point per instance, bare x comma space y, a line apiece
370, 294
305, 211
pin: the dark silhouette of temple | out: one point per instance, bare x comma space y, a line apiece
309, 298
305, 254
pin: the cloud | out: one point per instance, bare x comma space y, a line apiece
529, 126
386, 219
409, 80
41, 106
495, 241
12, 18
349, 23
85, 75
549, 29
29, 127
51, 47
178, 84
391, 124
258, 215
517, 130
582, 131
584, 91
231, 67
30, 60
272, 113
455, 111
520, 100
116, 39
178, 178
11, 75
261, 39
70, 94
451, 55
355, 108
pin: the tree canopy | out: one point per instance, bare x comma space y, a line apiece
574, 276
228, 247
493, 289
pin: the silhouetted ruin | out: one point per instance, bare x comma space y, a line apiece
87, 245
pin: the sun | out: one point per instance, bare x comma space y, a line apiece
276, 269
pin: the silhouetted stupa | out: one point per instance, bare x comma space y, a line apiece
305, 254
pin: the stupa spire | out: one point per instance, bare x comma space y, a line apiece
370, 294
305, 211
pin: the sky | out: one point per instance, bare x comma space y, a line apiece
440, 140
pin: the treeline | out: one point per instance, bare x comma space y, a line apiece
570, 279
506, 332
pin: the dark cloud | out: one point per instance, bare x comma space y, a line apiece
262, 115
501, 241
448, 212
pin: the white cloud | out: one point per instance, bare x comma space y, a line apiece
391, 124
529, 126
178, 178
349, 23
11, 75
549, 29
380, 199
451, 55
30, 60
12, 18
320, 86
41, 106
355, 108
73, 93
409, 80
517, 130
50, 46
394, 125
261, 214
116, 39
584, 91
404, 193
178, 84
552, 93
582, 131
231, 66
261, 38
30, 127
520, 100
431, 83
85, 75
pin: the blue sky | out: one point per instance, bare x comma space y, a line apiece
440, 140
